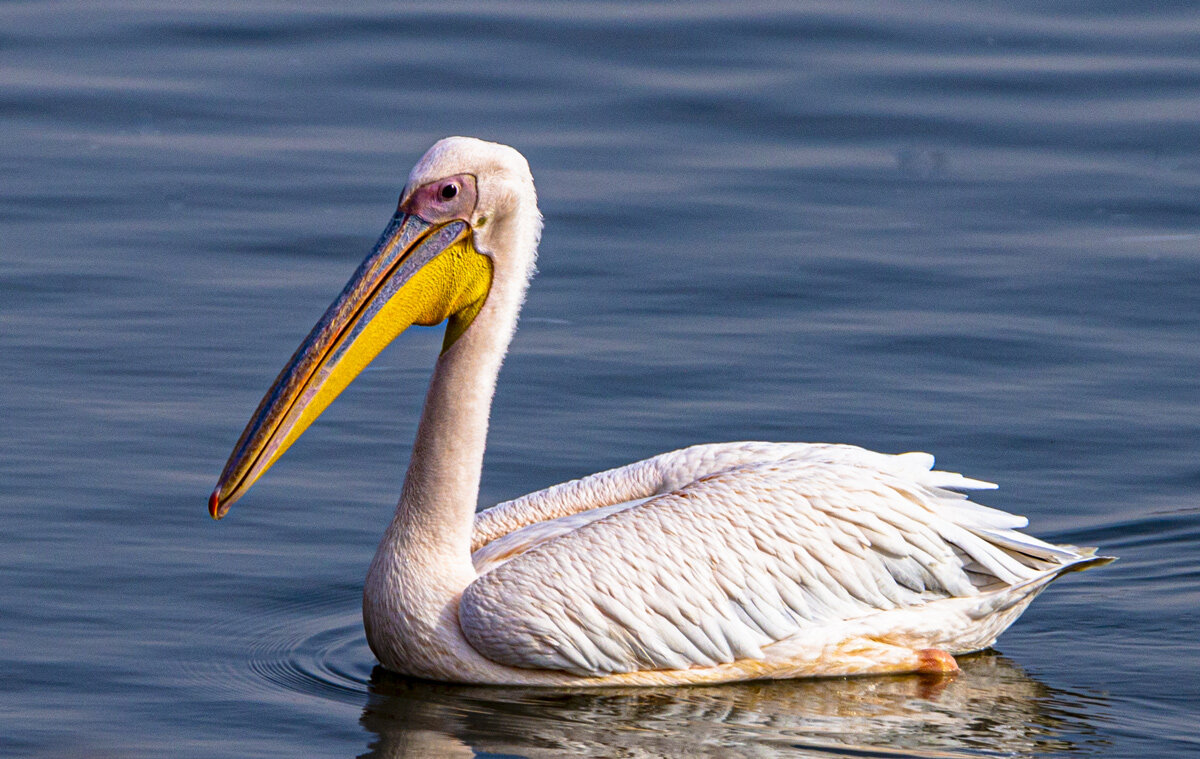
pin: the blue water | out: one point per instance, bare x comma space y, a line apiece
966, 228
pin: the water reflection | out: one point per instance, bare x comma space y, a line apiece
991, 707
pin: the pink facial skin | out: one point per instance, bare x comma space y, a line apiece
444, 200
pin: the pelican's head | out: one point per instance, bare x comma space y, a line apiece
467, 220
489, 186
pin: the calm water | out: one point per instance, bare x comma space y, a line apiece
965, 228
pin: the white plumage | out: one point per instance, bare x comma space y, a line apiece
708, 564
734, 548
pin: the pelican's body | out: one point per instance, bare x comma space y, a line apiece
713, 563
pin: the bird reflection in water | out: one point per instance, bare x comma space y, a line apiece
991, 707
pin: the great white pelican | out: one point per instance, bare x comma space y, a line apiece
722, 562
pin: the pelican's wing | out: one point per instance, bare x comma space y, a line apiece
718, 569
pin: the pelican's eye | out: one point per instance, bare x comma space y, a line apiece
443, 199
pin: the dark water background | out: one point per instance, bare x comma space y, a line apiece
967, 228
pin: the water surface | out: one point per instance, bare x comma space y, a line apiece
964, 228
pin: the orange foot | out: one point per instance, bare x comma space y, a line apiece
935, 661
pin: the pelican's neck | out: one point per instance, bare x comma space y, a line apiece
434, 519
437, 506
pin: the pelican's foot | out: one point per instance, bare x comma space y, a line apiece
935, 661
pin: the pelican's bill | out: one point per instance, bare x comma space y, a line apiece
418, 273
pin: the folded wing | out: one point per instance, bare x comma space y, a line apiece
719, 568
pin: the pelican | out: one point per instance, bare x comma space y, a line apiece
714, 563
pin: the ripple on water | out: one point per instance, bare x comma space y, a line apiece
313, 648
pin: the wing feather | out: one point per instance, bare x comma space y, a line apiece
671, 471
722, 566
